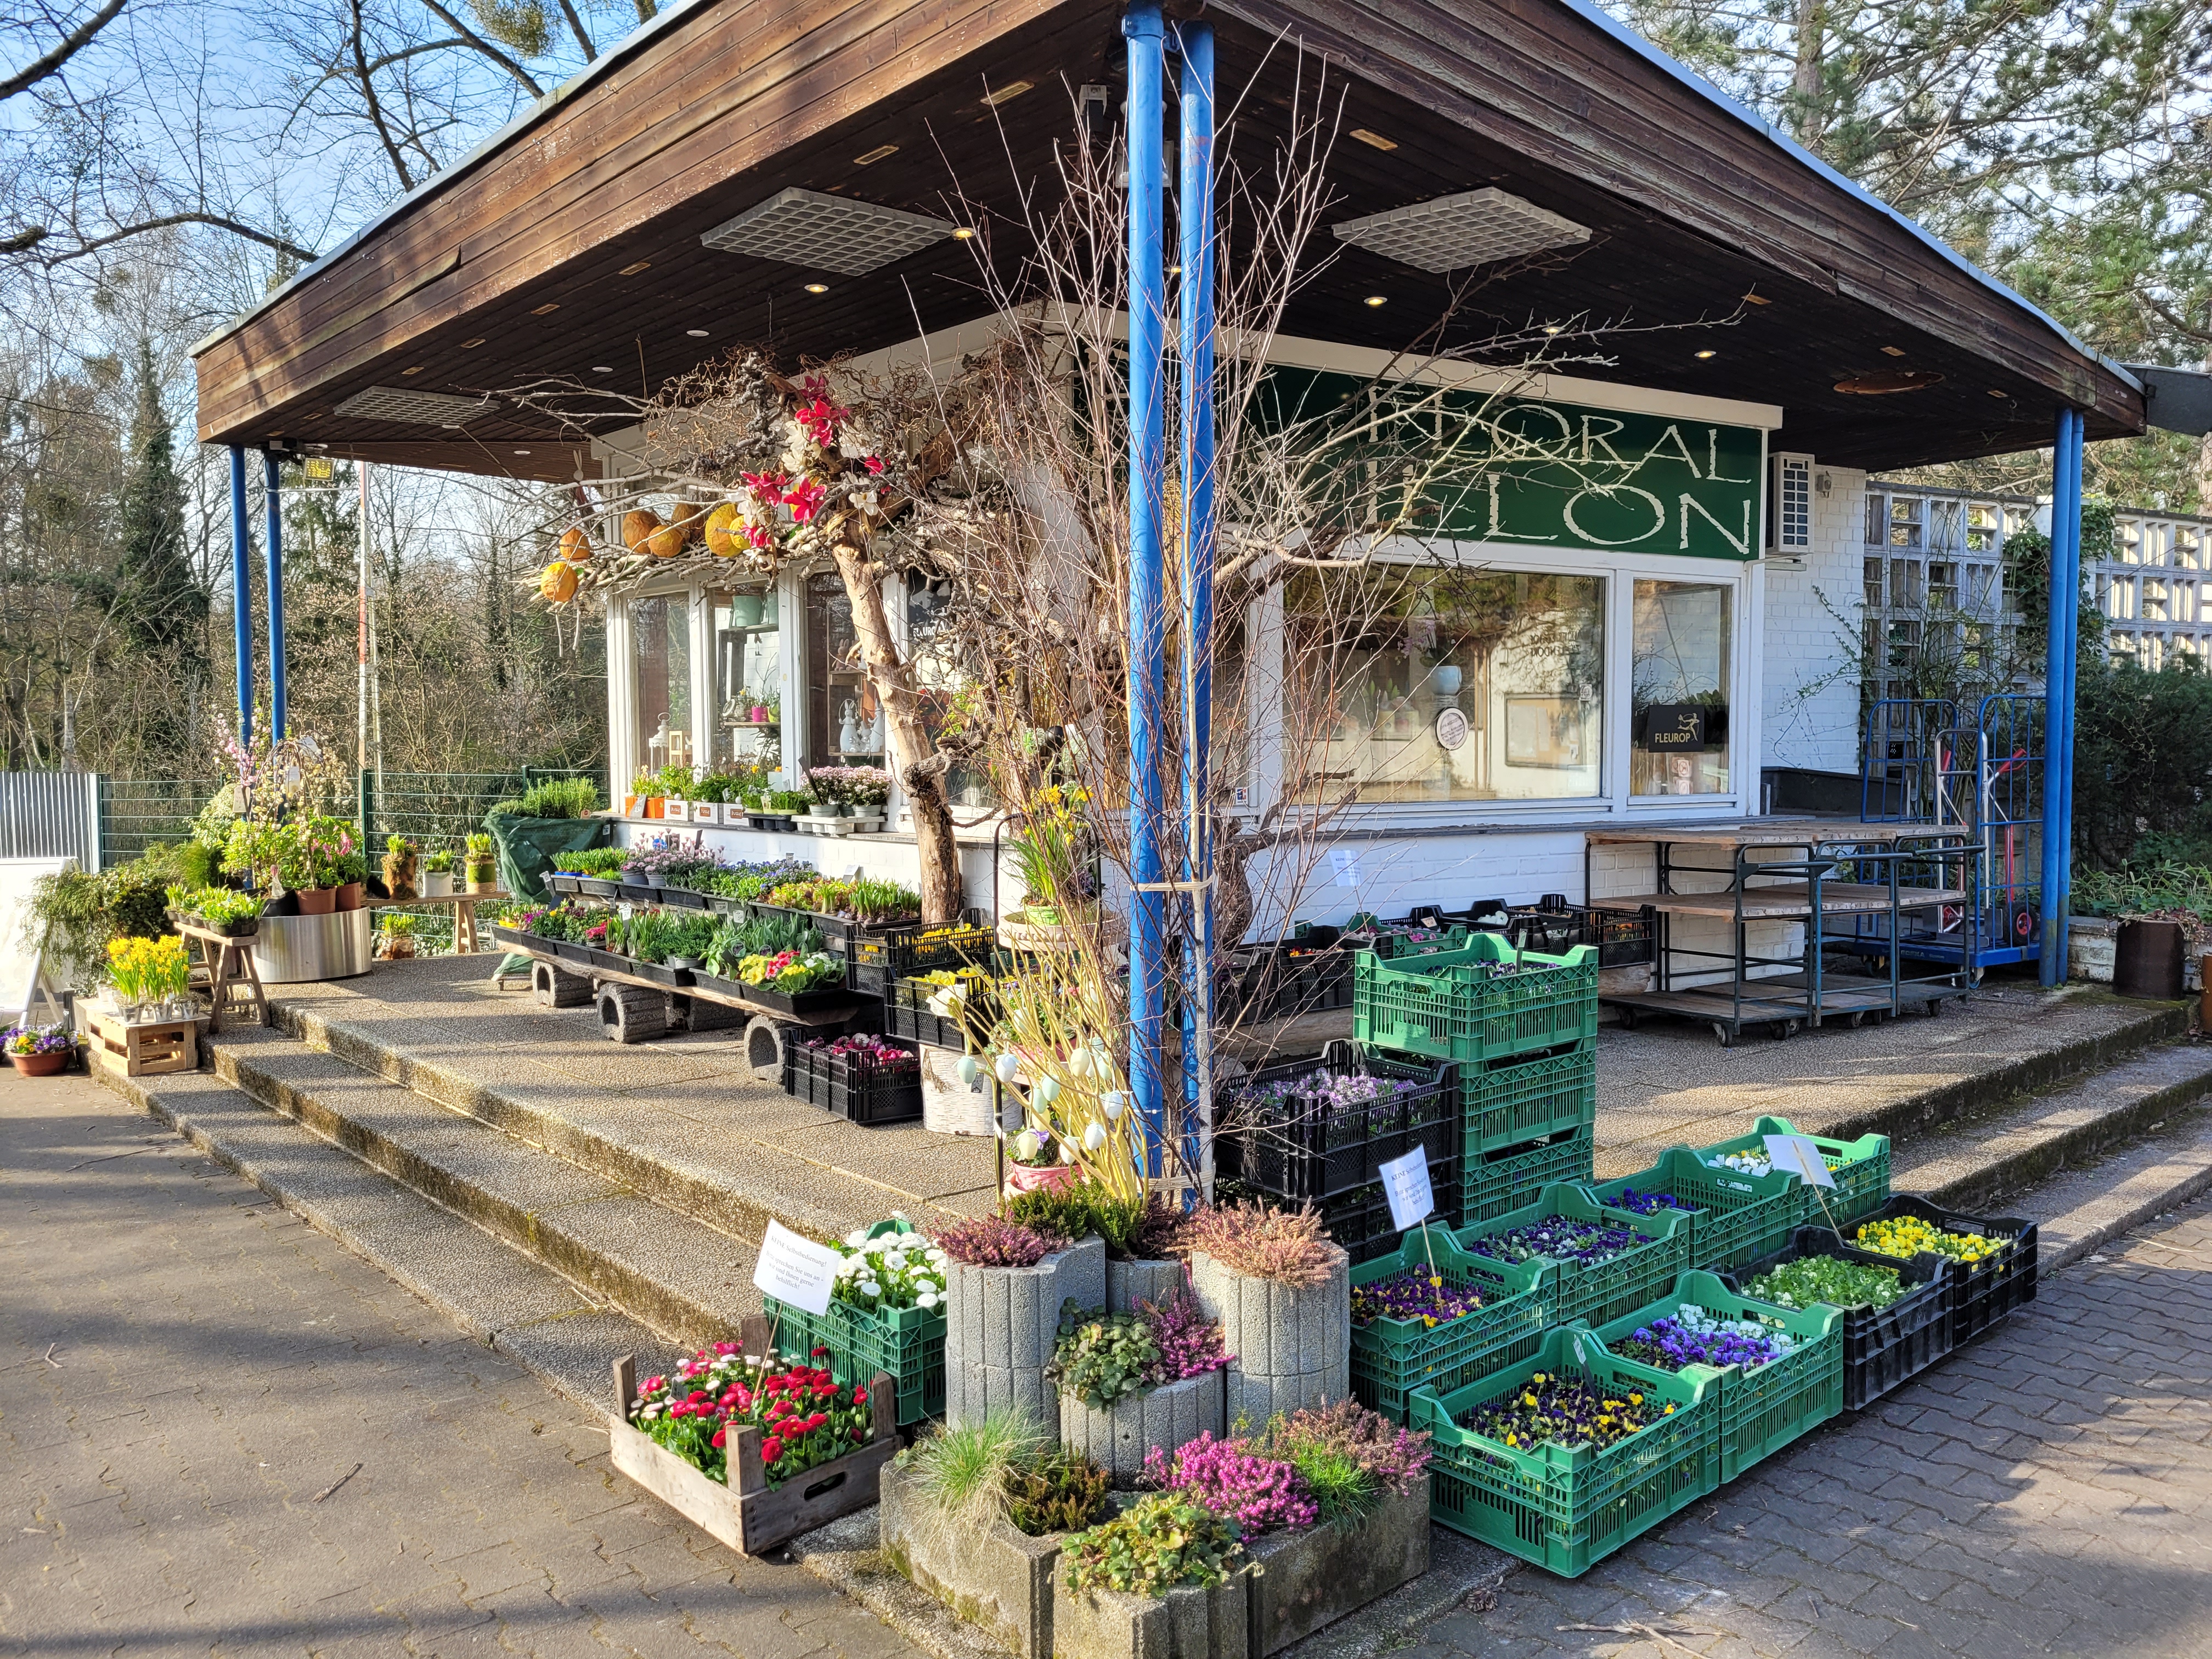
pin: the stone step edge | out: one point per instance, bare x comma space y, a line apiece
586, 1390
726, 1209
536, 1234
2187, 1176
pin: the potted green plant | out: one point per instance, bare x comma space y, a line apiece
303, 870
400, 867
350, 873
437, 875
483, 866
398, 937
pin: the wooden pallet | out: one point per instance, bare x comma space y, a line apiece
169, 1045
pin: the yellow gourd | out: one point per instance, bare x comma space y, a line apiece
637, 527
666, 542
721, 523
557, 581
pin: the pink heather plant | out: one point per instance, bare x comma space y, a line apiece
1189, 1343
1259, 1494
987, 1241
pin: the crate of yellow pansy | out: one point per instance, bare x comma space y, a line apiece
1430, 1314
1993, 1258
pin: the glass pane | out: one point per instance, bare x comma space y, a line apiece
844, 726
748, 679
660, 650
1680, 683
1411, 683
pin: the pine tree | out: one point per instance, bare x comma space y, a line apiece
162, 609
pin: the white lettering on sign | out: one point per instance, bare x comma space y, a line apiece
1798, 1155
1405, 1181
796, 1270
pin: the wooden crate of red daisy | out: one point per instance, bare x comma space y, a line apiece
886, 1315
752, 1452
1564, 1456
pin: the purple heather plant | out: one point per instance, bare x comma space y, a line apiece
1560, 1239
1416, 1293
1692, 1336
1189, 1343
1259, 1494
988, 1241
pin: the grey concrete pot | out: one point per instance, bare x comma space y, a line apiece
1314, 1577
999, 1326
1128, 1282
1117, 1438
1292, 1344
994, 1576
1186, 1623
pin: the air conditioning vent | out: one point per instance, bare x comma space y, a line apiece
1456, 233
826, 233
391, 403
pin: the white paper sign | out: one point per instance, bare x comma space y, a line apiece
1797, 1155
1405, 1180
1451, 730
796, 1270
1347, 865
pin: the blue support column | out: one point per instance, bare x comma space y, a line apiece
1142, 28
2058, 693
242, 581
1195, 307
273, 549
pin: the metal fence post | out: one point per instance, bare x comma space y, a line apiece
365, 806
95, 843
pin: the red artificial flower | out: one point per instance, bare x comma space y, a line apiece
804, 500
771, 1450
874, 464
769, 484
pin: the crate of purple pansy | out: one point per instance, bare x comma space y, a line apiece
1429, 1314
1604, 1261
865, 1079
1310, 1130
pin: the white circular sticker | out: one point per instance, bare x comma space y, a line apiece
1452, 729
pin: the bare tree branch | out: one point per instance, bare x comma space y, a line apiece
74, 42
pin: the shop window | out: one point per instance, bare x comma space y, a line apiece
845, 724
1679, 680
1412, 684
660, 692
748, 679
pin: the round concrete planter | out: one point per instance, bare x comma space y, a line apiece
1292, 1343
1001, 1324
1128, 1282
1117, 1438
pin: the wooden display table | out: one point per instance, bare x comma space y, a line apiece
225, 970
463, 907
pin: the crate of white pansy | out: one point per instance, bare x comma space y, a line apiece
887, 1314
1859, 1167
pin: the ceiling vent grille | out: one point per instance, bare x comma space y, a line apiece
1455, 233
391, 403
826, 233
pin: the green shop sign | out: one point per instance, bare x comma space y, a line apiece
1485, 467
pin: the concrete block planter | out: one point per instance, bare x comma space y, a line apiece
1314, 1577
1000, 1325
1128, 1282
1292, 1344
1186, 1623
995, 1577
1117, 1438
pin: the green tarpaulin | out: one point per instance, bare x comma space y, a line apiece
526, 849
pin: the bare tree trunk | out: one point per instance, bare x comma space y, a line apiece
1805, 89
921, 769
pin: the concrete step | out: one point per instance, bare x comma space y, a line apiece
2088, 1204
502, 1296
681, 1277
1975, 1161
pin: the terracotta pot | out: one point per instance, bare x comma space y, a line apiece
317, 901
1052, 1178
39, 1064
351, 895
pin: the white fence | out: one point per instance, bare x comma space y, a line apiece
50, 815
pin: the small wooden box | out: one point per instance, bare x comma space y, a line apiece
168, 1045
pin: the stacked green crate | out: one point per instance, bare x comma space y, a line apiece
1735, 1217
906, 1343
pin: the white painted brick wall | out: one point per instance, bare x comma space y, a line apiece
1811, 702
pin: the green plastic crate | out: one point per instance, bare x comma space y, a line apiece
1512, 1105
1761, 1411
1567, 1507
1391, 1358
1485, 1002
907, 1343
1861, 1168
1738, 1218
1503, 1180
1609, 1288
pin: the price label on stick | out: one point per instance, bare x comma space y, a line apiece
1799, 1156
1346, 863
1405, 1180
796, 1270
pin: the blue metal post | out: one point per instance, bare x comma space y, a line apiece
272, 547
2059, 692
1141, 27
242, 581
1195, 307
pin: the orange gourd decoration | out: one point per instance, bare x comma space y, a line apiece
637, 527
691, 519
576, 545
666, 542
720, 524
557, 581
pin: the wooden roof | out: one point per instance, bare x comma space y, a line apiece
569, 244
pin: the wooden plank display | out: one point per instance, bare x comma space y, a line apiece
749, 1514
149, 1050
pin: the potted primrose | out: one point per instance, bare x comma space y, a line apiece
483, 864
436, 878
400, 867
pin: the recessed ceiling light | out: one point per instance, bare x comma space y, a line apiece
1550, 328
697, 333
1705, 353
1007, 94
1999, 391
542, 311
964, 234
1174, 270
602, 368
417, 369
1377, 300
818, 287
632, 270
1757, 299
1457, 233
1881, 382
819, 232
1374, 138
522, 451
1891, 351
471, 345
875, 156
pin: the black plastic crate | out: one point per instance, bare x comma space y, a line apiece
907, 1011
876, 961
1982, 1294
853, 1086
1883, 1347
1624, 937
1360, 1220
1297, 1152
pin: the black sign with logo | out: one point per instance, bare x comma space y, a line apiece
1681, 728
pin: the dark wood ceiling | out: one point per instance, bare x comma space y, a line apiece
573, 251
